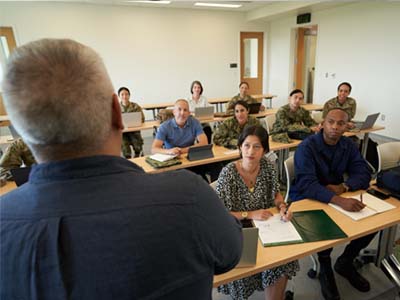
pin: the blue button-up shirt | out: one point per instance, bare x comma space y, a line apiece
174, 136
318, 164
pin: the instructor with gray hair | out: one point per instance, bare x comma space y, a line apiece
90, 224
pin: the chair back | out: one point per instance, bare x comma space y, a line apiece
289, 169
317, 116
269, 122
388, 155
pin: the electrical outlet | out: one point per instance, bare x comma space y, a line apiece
383, 117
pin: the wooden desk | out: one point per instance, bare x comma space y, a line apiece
156, 107
145, 126
311, 107
220, 154
366, 133
4, 121
269, 257
10, 185
219, 101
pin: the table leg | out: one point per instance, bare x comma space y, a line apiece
365, 145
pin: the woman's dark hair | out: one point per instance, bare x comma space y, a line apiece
122, 89
242, 103
344, 83
259, 132
295, 92
244, 82
196, 82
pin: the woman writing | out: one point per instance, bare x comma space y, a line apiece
248, 188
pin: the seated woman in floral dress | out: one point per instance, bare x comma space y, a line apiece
248, 188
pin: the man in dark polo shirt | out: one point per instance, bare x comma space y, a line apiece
90, 224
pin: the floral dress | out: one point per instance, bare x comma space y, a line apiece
236, 196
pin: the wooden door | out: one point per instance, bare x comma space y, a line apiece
251, 60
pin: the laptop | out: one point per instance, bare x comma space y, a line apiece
250, 244
204, 112
132, 119
20, 175
254, 108
200, 152
367, 124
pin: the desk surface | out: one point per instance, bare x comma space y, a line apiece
269, 257
220, 154
10, 185
227, 99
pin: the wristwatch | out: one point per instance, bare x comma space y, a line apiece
346, 187
244, 215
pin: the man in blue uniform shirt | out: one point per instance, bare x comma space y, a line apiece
321, 161
90, 224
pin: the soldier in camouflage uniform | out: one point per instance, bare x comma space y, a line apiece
228, 132
243, 90
343, 102
292, 118
15, 155
130, 138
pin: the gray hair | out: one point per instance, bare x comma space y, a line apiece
57, 92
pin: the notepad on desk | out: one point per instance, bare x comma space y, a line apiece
162, 157
305, 226
274, 231
373, 206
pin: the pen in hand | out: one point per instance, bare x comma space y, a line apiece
287, 207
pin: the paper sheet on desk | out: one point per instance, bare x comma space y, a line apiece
274, 231
373, 206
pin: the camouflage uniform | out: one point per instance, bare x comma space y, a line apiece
349, 106
249, 99
228, 132
287, 120
15, 155
132, 138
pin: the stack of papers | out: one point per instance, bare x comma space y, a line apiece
373, 206
162, 157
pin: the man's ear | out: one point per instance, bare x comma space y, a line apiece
116, 113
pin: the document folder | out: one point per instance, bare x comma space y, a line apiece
316, 225
305, 226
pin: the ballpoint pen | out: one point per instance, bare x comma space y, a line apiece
287, 207
361, 197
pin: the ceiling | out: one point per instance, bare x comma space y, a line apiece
260, 10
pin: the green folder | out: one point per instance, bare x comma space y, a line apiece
316, 225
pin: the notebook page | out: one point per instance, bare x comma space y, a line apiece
275, 231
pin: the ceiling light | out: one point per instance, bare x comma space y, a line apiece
150, 1
218, 5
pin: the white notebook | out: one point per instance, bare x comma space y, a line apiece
274, 231
373, 206
162, 157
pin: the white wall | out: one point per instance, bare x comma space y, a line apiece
359, 43
155, 52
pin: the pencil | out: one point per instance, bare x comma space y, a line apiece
361, 197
